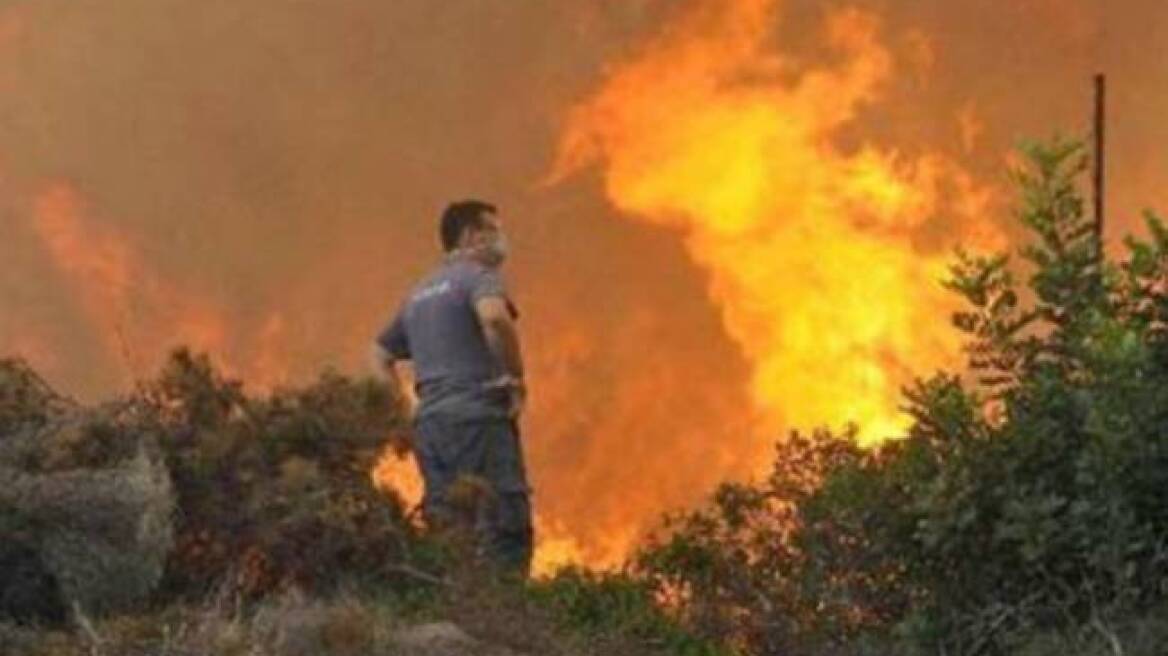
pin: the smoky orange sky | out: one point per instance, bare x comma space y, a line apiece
261, 179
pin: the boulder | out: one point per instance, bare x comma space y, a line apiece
86, 505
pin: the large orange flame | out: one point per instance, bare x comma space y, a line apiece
809, 247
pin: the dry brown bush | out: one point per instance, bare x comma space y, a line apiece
276, 491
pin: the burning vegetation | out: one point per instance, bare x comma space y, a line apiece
769, 221
1037, 528
263, 201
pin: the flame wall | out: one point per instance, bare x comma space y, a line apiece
261, 179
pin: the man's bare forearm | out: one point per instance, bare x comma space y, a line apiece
503, 342
397, 373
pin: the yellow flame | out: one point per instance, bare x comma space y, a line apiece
808, 247
400, 474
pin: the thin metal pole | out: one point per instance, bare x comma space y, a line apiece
1098, 161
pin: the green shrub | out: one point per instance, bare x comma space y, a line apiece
597, 605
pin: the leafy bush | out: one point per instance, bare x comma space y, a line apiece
276, 491
1050, 513
765, 568
26, 400
599, 605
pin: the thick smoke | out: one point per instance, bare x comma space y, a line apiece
262, 179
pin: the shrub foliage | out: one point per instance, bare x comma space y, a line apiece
276, 491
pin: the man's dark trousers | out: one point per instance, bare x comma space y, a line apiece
488, 450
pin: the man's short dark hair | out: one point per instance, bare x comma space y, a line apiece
462, 216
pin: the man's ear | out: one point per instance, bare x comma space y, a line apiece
465, 239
